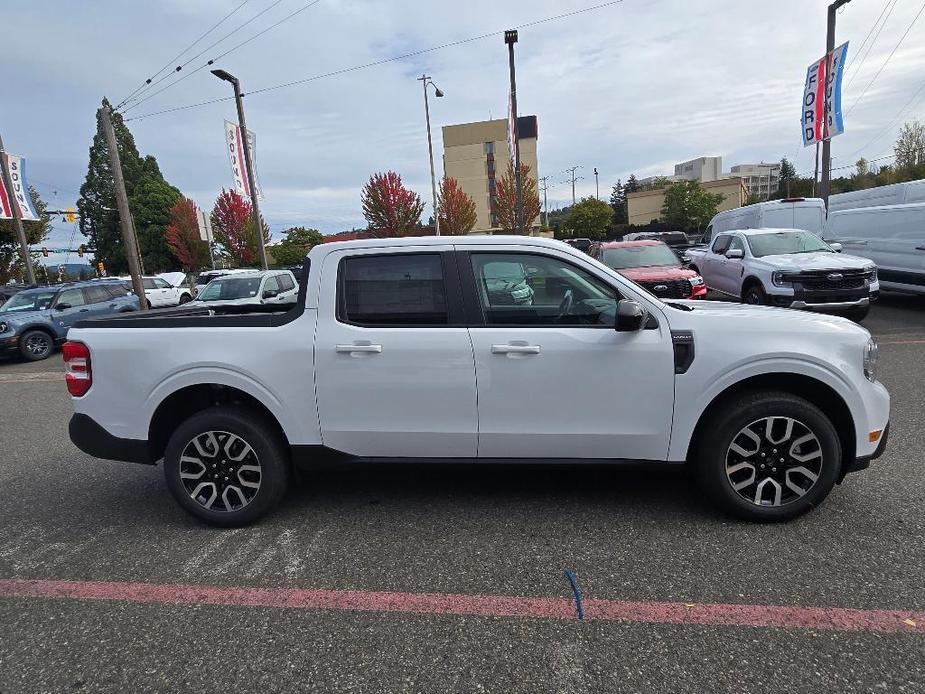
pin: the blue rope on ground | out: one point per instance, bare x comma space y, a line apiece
574, 584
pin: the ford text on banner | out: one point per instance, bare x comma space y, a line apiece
16, 165
818, 101
235, 151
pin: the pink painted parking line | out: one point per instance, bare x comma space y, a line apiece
775, 616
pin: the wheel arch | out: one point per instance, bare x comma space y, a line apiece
811, 389
749, 282
183, 403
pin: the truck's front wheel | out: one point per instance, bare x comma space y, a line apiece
768, 456
226, 466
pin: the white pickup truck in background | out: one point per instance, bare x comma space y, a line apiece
789, 268
405, 349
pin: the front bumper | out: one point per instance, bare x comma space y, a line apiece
9, 344
94, 440
863, 462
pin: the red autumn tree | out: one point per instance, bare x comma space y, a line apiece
506, 200
389, 207
182, 235
233, 226
455, 209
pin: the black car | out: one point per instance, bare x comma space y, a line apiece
675, 240
8, 290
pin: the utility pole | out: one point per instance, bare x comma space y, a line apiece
17, 218
425, 80
571, 172
510, 38
125, 219
252, 180
545, 208
597, 190
816, 171
826, 140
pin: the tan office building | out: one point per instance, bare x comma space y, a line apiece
646, 205
476, 155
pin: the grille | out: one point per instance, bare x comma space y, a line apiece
671, 289
849, 280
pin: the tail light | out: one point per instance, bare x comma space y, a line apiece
77, 372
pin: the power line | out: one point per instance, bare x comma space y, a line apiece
178, 55
893, 121
895, 48
195, 57
860, 63
383, 61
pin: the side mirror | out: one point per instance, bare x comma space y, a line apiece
835, 247
270, 293
631, 316
735, 254
61, 307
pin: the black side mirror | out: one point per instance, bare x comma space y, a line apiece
61, 307
631, 316
270, 293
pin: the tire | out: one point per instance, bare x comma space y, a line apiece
148, 305
723, 459
204, 440
184, 298
35, 345
754, 295
857, 314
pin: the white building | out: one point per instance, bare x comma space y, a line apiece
702, 169
760, 179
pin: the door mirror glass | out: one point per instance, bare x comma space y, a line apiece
631, 316
835, 247
735, 254
270, 293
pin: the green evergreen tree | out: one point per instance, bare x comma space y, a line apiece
150, 198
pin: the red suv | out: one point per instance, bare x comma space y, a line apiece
653, 265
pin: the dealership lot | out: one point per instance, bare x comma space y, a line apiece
453, 533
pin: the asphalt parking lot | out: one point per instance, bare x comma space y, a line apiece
452, 579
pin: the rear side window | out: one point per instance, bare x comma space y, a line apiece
721, 244
116, 291
96, 295
397, 289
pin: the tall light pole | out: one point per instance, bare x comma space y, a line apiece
17, 218
425, 80
510, 38
826, 139
252, 180
597, 190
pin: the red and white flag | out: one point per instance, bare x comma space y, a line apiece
235, 149
19, 196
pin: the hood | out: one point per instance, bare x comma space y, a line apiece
174, 279
656, 273
753, 319
816, 261
22, 316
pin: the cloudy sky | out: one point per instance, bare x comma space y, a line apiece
632, 87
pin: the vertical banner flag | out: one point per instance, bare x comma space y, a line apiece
821, 116
6, 212
236, 158
511, 129
19, 195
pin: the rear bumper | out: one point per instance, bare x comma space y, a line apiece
93, 439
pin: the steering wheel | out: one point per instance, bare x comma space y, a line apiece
565, 306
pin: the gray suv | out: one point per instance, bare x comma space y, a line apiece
34, 321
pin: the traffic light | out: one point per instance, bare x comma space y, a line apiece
69, 215
80, 251
44, 252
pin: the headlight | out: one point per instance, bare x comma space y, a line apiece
3, 327
872, 274
696, 281
871, 357
778, 279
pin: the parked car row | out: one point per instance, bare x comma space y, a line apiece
653, 265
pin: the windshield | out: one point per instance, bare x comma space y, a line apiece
229, 288
30, 301
206, 277
639, 256
785, 242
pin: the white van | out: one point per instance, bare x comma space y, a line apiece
789, 213
894, 194
893, 236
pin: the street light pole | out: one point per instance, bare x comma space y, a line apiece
510, 38
826, 140
17, 218
597, 190
425, 80
251, 179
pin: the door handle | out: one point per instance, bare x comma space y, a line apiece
920, 248
515, 349
83, 310
352, 349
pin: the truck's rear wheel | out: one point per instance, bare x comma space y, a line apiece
768, 456
226, 466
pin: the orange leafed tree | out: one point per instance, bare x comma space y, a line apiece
506, 200
455, 209
233, 225
389, 207
182, 236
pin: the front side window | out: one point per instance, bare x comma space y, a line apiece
230, 288
536, 290
272, 284
785, 243
148, 283
161, 284
736, 245
401, 289
721, 244
72, 297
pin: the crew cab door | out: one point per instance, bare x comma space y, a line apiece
393, 361
555, 379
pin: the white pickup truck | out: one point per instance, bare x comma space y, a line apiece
408, 349
787, 267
